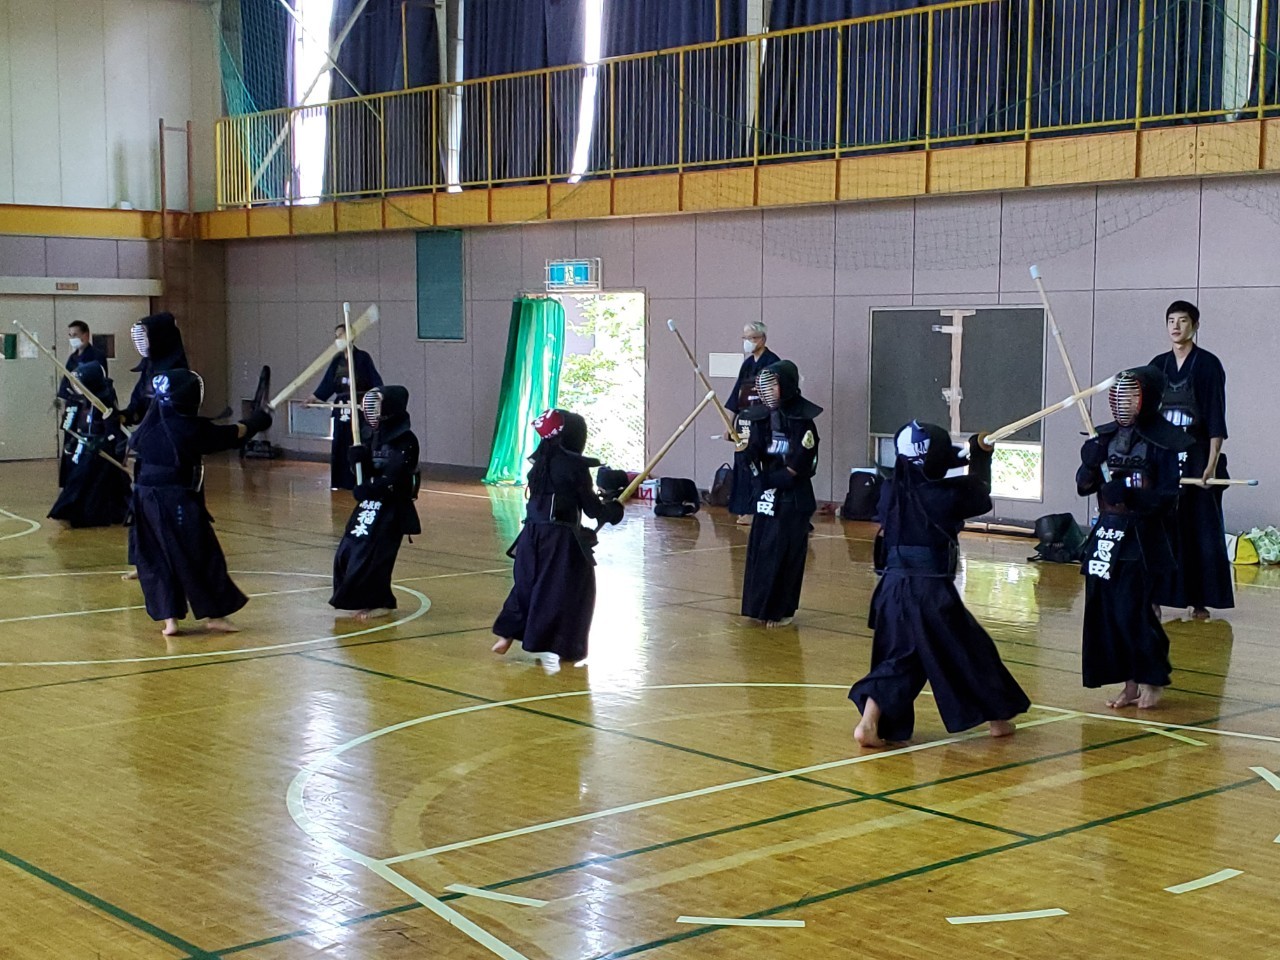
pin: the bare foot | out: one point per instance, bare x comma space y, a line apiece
866, 732
363, 615
744, 520
785, 621
1002, 728
131, 575
1199, 613
221, 625
503, 645
1149, 696
170, 628
1126, 697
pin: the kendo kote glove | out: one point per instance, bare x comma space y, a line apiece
612, 512
358, 455
1093, 453
256, 422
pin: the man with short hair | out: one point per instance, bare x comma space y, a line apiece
336, 384
744, 395
1195, 400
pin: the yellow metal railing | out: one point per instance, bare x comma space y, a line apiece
967, 71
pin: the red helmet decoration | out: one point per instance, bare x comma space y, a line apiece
549, 424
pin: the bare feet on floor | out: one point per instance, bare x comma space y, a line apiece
1199, 613
131, 575
1126, 697
170, 628
221, 625
503, 645
866, 732
363, 615
784, 622
1002, 728
744, 520
1149, 696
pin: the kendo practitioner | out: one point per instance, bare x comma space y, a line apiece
159, 343
336, 385
384, 509
180, 562
1132, 467
82, 351
923, 632
553, 599
743, 397
1195, 400
96, 492
782, 457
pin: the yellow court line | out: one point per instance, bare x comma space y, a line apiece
1169, 726
1176, 736
34, 525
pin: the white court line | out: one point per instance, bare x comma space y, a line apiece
739, 922
447, 576
1268, 776
1177, 736
1203, 881
321, 834
691, 794
34, 525
1168, 726
424, 604
484, 894
142, 606
1002, 917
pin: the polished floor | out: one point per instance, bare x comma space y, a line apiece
314, 787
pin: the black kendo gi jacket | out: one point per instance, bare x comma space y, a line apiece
782, 438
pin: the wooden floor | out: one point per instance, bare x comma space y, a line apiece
313, 787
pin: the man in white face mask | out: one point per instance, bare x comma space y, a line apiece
82, 351
758, 356
336, 384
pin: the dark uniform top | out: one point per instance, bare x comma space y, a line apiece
782, 438
89, 354
336, 383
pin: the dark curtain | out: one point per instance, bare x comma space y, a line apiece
641, 98
1267, 61
883, 66
1183, 59
373, 61
510, 36
265, 60
979, 71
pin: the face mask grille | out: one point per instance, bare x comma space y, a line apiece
1125, 398
769, 388
140, 342
372, 407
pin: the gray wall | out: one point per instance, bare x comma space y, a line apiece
1112, 259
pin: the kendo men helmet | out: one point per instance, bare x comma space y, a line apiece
1136, 395
928, 446
778, 383
371, 406
181, 390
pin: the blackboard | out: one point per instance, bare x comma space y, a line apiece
1001, 368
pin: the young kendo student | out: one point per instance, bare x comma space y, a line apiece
742, 398
336, 384
95, 492
782, 454
82, 351
1195, 400
922, 630
1132, 466
180, 562
159, 343
384, 511
553, 598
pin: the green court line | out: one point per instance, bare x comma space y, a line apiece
604, 859
759, 768
110, 909
927, 868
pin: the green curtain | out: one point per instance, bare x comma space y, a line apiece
530, 385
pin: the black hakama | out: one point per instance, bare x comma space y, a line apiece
553, 598
776, 552
180, 562
384, 513
96, 493
923, 632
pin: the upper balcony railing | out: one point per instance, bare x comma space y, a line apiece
963, 72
